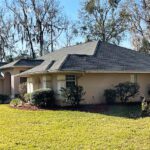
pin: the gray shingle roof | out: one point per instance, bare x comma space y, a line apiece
56, 58
2, 63
109, 57
22, 63
93, 56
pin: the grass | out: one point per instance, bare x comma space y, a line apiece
43, 130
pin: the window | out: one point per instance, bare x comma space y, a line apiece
134, 78
70, 81
23, 79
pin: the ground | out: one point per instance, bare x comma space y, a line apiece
64, 129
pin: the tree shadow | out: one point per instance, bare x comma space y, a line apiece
130, 110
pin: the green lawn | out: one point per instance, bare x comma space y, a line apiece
43, 130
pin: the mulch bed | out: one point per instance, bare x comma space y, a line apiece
26, 107
84, 108
101, 108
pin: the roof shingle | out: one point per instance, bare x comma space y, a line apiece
93, 56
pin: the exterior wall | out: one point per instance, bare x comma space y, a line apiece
29, 85
144, 82
12, 87
93, 84
1, 86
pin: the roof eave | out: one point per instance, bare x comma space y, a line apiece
78, 71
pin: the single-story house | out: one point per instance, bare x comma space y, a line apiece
94, 65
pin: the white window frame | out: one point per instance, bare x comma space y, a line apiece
133, 78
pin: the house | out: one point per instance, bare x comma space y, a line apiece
94, 65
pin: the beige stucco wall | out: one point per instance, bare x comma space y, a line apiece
94, 84
1, 86
144, 82
12, 87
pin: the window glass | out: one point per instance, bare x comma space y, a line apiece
70, 81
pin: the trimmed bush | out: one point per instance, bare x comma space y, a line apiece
27, 97
16, 102
4, 99
43, 98
73, 95
126, 90
110, 96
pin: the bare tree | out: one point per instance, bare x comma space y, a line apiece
38, 23
7, 40
50, 22
70, 33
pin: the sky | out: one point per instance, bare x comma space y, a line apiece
71, 8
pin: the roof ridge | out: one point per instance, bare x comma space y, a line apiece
125, 48
67, 47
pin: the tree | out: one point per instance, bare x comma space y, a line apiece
70, 33
140, 24
103, 20
39, 24
7, 40
50, 22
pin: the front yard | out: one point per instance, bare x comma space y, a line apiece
21, 129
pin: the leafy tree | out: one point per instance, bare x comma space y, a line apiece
145, 46
103, 20
140, 24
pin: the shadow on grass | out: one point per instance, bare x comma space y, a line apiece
130, 110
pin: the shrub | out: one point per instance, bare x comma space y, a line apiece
43, 98
145, 108
110, 96
126, 90
16, 102
73, 95
4, 98
27, 97
22, 90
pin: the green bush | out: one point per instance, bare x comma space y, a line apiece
73, 95
27, 97
110, 96
4, 99
16, 102
126, 90
43, 98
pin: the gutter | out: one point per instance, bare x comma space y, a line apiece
85, 72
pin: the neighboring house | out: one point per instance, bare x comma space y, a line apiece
94, 65
9, 84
